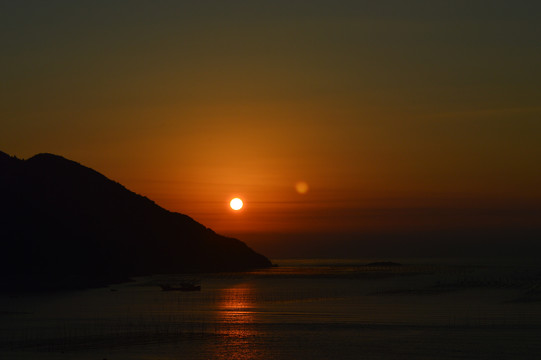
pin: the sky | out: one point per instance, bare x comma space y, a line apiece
410, 120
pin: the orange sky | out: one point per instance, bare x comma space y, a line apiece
398, 117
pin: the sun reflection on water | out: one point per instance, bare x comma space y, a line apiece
236, 323
237, 305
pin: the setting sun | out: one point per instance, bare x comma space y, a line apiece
236, 204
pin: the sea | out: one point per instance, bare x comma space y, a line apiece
299, 309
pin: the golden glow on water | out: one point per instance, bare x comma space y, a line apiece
237, 304
237, 324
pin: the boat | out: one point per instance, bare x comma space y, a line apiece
181, 287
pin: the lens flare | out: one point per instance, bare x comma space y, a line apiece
301, 187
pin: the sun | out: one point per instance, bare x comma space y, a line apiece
236, 204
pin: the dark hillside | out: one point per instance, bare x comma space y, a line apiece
65, 224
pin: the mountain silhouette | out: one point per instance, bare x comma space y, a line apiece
65, 225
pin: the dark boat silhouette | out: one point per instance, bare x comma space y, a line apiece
181, 287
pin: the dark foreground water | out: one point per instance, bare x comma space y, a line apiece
303, 309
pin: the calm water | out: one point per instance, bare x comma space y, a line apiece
303, 309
